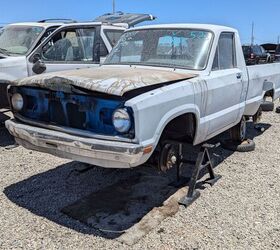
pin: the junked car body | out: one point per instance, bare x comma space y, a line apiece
26, 49
177, 81
17, 41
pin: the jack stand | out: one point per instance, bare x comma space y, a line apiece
203, 161
259, 128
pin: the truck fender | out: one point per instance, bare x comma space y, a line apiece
174, 113
267, 87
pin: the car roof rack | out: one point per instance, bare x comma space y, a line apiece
52, 20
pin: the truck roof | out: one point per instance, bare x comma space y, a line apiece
212, 27
36, 24
47, 25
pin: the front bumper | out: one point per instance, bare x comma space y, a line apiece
109, 154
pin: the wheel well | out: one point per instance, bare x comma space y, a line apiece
182, 127
269, 93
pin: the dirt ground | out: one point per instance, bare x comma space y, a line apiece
242, 211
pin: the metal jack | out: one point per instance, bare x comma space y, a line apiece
203, 161
172, 155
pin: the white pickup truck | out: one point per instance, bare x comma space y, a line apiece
28, 49
160, 82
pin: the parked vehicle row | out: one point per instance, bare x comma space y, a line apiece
265, 53
162, 82
256, 54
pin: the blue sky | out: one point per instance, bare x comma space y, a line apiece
234, 13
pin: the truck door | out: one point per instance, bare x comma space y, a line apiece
225, 86
70, 47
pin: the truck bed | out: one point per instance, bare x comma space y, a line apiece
262, 78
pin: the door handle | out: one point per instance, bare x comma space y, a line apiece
238, 75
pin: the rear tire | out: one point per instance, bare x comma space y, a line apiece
267, 106
268, 60
277, 110
245, 146
238, 132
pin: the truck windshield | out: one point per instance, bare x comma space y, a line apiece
182, 48
17, 40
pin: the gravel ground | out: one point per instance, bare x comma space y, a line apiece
242, 211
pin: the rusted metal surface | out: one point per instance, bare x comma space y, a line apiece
112, 154
110, 80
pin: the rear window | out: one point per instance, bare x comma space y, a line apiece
246, 49
113, 36
257, 49
278, 49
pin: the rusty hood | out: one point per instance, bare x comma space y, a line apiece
105, 79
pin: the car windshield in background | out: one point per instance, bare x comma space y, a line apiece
17, 40
182, 48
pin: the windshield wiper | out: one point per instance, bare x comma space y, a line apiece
4, 51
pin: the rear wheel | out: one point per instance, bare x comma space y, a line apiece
238, 132
268, 60
267, 106
245, 146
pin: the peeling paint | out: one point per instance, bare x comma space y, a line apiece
110, 80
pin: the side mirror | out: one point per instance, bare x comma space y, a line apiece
36, 58
39, 67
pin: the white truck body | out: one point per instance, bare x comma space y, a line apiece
217, 99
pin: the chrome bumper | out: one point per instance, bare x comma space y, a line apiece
109, 154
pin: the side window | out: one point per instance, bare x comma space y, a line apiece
113, 36
72, 45
103, 50
257, 50
225, 57
47, 33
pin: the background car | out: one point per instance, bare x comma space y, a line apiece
255, 54
277, 53
270, 48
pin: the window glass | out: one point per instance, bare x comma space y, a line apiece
113, 36
183, 48
246, 50
225, 53
257, 50
17, 40
130, 52
70, 45
47, 33
262, 49
103, 50
216, 61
